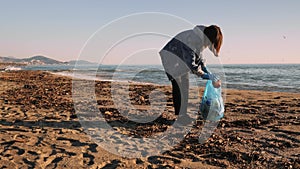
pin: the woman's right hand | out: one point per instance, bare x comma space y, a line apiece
217, 83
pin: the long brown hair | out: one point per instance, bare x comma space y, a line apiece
215, 36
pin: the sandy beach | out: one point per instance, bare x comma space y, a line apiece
39, 128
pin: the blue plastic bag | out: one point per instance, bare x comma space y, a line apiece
212, 105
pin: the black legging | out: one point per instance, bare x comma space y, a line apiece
180, 91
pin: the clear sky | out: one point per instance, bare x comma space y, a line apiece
254, 31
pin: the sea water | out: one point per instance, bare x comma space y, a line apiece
266, 77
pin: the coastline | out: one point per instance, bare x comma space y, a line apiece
39, 128
262, 77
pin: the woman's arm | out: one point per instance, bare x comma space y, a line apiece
192, 60
210, 76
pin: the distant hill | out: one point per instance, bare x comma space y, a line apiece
9, 59
79, 62
35, 60
39, 60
